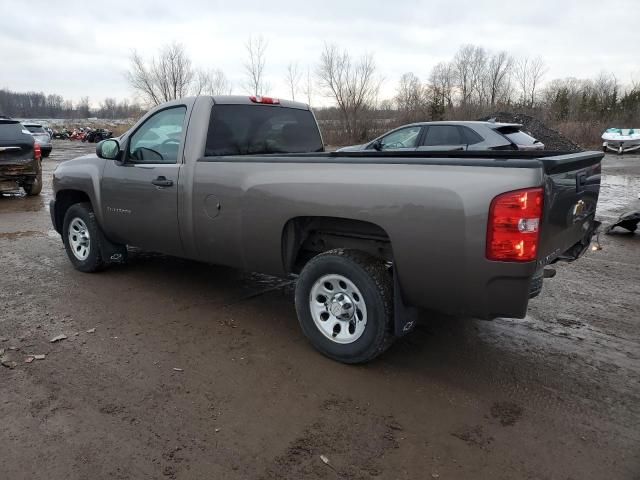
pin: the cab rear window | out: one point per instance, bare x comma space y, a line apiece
261, 129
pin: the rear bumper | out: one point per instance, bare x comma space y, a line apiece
14, 171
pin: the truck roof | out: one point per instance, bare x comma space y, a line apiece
247, 100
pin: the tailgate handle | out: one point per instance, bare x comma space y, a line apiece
581, 181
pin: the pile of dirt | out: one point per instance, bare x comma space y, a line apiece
552, 139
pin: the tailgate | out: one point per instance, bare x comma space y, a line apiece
572, 186
12, 153
16, 143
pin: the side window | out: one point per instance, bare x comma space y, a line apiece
404, 138
158, 139
470, 137
443, 135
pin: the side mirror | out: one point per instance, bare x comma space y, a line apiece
108, 149
377, 145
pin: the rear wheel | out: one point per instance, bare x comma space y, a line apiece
344, 301
81, 237
33, 186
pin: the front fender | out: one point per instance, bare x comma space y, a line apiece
83, 175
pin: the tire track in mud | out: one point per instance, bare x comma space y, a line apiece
354, 453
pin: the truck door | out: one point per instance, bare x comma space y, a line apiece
140, 193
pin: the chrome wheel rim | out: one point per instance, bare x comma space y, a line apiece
79, 239
338, 308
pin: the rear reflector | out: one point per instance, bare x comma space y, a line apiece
37, 153
513, 229
267, 100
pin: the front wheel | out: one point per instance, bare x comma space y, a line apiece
81, 237
344, 301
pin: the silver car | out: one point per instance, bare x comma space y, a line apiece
41, 136
451, 136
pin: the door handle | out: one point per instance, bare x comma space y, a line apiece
162, 181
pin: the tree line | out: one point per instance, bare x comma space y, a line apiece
40, 105
474, 83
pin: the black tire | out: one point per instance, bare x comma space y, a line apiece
374, 281
46, 154
93, 262
33, 186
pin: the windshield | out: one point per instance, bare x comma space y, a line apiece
260, 129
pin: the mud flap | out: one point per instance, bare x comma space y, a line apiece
112, 252
405, 317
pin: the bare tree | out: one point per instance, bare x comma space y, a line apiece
352, 84
528, 73
478, 69
293, 78
307, 86
411, 97
497, 77
442, 83
254, 67
82, 108
462, 64
167, 77
108, 108
440, 90
212, 82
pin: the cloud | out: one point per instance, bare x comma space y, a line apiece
78, 51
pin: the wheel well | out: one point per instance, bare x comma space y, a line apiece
64, 199
305, 237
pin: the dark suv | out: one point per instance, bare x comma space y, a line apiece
20, 158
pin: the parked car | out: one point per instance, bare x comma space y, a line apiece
371, 236
41, 136
447, 136
20, 158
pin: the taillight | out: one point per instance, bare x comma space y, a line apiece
267, 100
513, 229
37, 153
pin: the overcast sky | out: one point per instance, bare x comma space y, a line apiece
81, 48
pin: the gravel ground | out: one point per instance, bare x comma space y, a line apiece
552, 139
197, 371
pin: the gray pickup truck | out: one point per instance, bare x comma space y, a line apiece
373, 237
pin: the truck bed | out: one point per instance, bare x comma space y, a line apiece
433, 206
